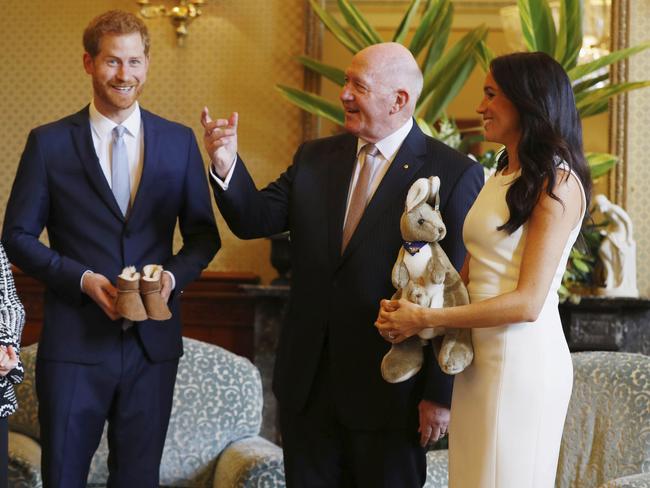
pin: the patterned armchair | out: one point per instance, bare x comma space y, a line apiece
606, 439
212, 438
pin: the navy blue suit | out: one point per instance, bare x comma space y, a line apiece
328, 337
61, 187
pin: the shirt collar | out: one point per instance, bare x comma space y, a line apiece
389, 145
102, 126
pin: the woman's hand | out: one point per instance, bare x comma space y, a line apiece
8, 360
399, 320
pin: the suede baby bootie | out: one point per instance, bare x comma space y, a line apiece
129, 304
150, 287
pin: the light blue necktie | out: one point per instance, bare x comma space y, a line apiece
120, 178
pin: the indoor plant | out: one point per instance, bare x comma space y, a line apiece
445, 71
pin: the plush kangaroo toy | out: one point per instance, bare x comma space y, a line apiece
424, 275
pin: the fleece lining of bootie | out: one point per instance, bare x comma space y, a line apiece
152, 273
129, 303
150, 287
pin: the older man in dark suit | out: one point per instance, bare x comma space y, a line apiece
110, 184
341, 200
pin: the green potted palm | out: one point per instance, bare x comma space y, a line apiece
593, 90
445, 68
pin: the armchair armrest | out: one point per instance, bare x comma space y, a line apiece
252, 461
437, 469
641, 480
24, 462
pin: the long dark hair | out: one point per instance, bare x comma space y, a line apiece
541, 91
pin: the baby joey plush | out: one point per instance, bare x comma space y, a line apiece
424, 275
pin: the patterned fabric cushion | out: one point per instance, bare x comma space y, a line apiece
24, 462
437, 469
634, 481
25, 419
607, 431
251, 462
217, 400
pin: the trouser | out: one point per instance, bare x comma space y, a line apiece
75, 400
319, 451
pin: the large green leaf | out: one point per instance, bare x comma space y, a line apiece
313, 104
405, 24
596, 108
335, 28
442, 28
444, 80
580, 89
593, 101
359, 23
330, 72
448, 88
569, 36
428, 25
457, 54
586, 68
484, 55
537, 25
600, 163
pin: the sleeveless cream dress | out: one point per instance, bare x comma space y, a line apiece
508, 407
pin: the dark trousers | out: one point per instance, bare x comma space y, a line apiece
321, 452
75, 400
4, 452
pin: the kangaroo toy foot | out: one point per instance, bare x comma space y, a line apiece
456, 352
403, 361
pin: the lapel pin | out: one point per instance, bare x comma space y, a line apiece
406, 166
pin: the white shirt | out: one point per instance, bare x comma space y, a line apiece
102, 133
101, 129
388, 148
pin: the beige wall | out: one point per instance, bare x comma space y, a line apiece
638, 145
234, 55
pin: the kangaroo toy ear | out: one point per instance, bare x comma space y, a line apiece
434, 196
418, 193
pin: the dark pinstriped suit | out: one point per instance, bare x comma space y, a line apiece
335, 298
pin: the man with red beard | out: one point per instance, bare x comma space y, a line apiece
109, 183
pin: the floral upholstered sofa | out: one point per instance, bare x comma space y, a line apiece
606, 439
213, 432
213, 442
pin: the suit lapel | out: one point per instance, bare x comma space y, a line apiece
339, 174
407, 162
83, 142
150, 159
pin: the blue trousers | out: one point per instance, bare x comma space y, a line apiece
75, 400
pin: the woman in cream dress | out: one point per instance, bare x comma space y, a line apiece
509, 405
